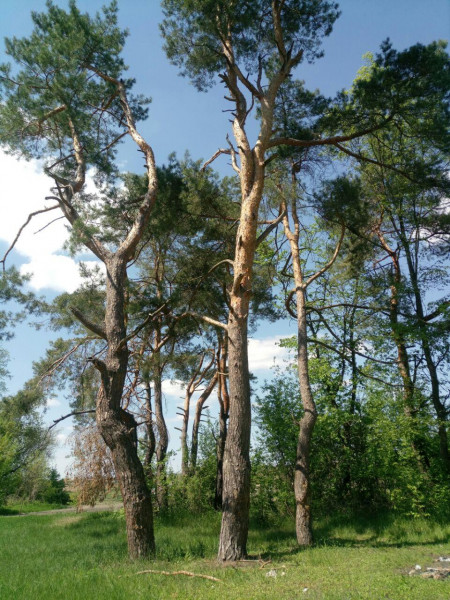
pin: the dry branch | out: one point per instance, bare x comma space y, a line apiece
187, 573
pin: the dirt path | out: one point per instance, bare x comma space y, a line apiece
102, 507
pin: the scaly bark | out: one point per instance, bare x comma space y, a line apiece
224, 403
117, 427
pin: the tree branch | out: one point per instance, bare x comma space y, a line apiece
30, 216
214, 156
373, 161
75, 412
329, 263
270, 228
330, 141
94, 327
206, 319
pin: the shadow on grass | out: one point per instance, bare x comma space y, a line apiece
381, 531
8, 512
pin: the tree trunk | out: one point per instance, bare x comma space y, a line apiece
163, 442
223, 415
224, 403
117, 427
236, 464
184, 430
196, 424
150, 434
303, 523
439, 407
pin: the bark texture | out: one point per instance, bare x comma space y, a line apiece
224, 403
163, 440
117, 427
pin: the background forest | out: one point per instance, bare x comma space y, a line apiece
333, 214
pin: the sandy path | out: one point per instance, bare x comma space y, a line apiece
101, 507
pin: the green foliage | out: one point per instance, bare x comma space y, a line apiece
52, 88
55, 492
23, 439
194, 494
362, 460
12, 294
401, 88
195, 33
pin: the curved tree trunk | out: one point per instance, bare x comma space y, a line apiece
117, 427
303, 522
149, 432
196, 423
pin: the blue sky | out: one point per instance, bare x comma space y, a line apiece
181, 119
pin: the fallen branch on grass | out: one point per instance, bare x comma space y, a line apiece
188, 573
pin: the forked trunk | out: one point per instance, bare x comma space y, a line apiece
197, 417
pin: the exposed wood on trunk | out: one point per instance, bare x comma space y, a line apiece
224, 404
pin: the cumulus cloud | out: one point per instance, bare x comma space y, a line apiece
52, 402
24, 189
175, 389
265, 353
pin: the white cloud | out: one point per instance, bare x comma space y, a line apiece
265, 353
24, 189
175, 389
52, 402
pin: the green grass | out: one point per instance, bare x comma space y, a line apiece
84, 557
16, 507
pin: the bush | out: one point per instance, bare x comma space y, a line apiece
55, 492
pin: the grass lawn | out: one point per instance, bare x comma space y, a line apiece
84, 557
